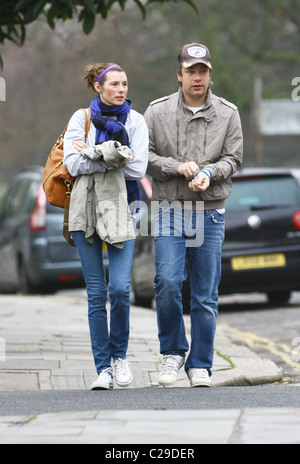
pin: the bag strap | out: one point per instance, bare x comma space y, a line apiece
66, 232
88, 118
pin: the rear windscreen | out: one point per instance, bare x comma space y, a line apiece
53, 209
263, 192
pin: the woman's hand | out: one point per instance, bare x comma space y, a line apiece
79, 145
127, 161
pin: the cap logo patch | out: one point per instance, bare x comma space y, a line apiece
197, 52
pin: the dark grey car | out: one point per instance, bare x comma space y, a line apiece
34, 256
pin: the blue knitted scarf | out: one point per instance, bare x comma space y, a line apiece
110, 125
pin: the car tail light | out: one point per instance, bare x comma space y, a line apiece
296, 220
68, 278
38, 215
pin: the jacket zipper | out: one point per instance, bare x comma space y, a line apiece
205, 136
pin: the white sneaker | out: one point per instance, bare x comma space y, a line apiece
123, 373
170, 368
104, 381
199, 378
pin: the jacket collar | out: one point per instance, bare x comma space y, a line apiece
208, 110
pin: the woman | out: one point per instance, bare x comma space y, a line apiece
114, 124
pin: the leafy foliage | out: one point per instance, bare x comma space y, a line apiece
246, 40
15, 16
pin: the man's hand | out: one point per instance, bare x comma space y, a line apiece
200, 183
188, 170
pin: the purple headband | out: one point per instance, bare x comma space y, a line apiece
106, 70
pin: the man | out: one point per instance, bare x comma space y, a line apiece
196, 145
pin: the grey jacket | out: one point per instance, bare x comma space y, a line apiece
99, 200
212, 138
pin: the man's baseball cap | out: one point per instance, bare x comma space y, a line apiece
194, 53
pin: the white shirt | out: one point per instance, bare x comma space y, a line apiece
138, 139
195, 109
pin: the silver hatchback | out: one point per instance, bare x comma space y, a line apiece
34, 257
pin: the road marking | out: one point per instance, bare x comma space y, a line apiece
282, 350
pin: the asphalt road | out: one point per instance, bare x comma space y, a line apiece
27, 403
272, 332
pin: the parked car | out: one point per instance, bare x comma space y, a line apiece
34, 256
262, 245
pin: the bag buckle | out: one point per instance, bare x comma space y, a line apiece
68, 184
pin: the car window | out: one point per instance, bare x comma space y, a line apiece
54, 209
15, 198
31, 196
263, 192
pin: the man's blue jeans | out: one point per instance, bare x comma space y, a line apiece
204, 258
106, 345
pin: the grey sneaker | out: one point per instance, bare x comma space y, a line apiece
104, 381
199, 378
170, 369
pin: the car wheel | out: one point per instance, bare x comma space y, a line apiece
279, 298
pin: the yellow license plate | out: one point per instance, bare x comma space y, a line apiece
242, 263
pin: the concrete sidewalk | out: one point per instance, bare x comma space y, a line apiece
46, 346
171, 428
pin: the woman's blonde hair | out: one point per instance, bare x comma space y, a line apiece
93, 71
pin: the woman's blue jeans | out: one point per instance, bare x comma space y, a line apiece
114, 343
172, 251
